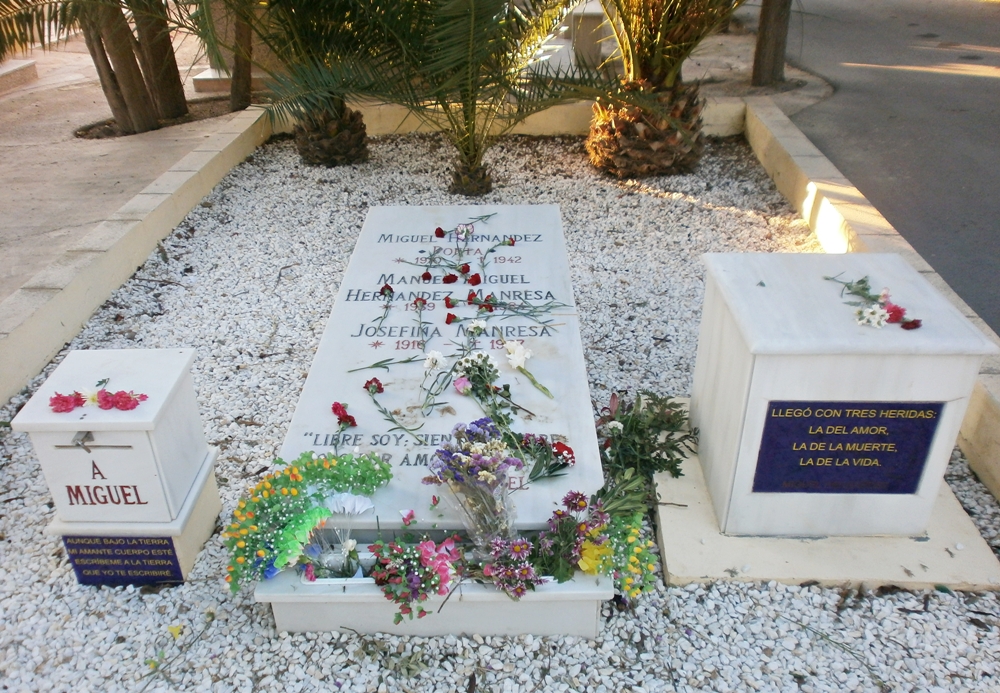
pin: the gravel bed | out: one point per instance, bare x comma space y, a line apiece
249, 278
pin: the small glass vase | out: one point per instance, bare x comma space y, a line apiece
487, 510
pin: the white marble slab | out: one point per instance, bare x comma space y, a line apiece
535, 269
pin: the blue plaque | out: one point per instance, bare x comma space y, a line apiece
123, 560
845, 447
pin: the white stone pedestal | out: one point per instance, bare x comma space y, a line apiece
138, 553
813, 425
572, 608
112, 465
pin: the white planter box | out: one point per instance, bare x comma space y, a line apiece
137, 553
112, 465
572, 608
813, 425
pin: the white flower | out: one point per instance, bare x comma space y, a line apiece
434, 361
349, 546
516, 354
463, 231
349, 504
876, 316
477, 326
615, 427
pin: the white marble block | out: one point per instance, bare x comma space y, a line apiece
144, 553
393, 244
811, 424
113, 465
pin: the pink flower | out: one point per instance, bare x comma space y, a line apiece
105, 400
126, 401
408, 516
488, 570
310, 573
895, 312
65, 403
463, 385
434, 501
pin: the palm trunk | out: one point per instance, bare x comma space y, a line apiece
109, 83
241, 81
116, 34
772, 37
160, 65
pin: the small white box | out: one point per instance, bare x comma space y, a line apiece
112, 465
813, 425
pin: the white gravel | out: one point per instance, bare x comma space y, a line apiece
249, 280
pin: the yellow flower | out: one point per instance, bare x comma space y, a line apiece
267, 484
284, 491
240, 544
242, 504
295, 492
593, 557
240, 559
650, 566
638, 549
264, 494
261, 553
253, 528
243, 532
631, 540
176, 631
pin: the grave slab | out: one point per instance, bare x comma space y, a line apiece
814, 425
393, 248
951, 552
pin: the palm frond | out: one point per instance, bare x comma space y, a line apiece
24, 23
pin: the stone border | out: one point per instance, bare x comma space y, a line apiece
47, 311
16, 73
846, 222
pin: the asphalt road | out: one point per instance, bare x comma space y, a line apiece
914, 122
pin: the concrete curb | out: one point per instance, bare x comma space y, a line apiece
15, 73
846, 222
50, 309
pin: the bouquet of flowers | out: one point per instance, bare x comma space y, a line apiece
509, 567
633, 563
274, 520
547, 459
575, 539
475, 469
411, 573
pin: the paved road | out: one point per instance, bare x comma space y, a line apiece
914, 123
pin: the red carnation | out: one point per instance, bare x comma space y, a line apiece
347, 421
450, 318
439, 232
449, 279
464, 269
105, 400
419, 302
426, 276
338, 409
374, 387
911, 324
475, 280
125, 401
448, 303
895, 312
510, 242
564, 451
472, 297
65, 403
386, 291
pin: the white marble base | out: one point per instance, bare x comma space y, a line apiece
951, 552
572, 608
189, 531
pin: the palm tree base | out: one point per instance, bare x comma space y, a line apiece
469, 181
326, 140
628, 142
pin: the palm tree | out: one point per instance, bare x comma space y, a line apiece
467, 67
138, 74
654, 38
